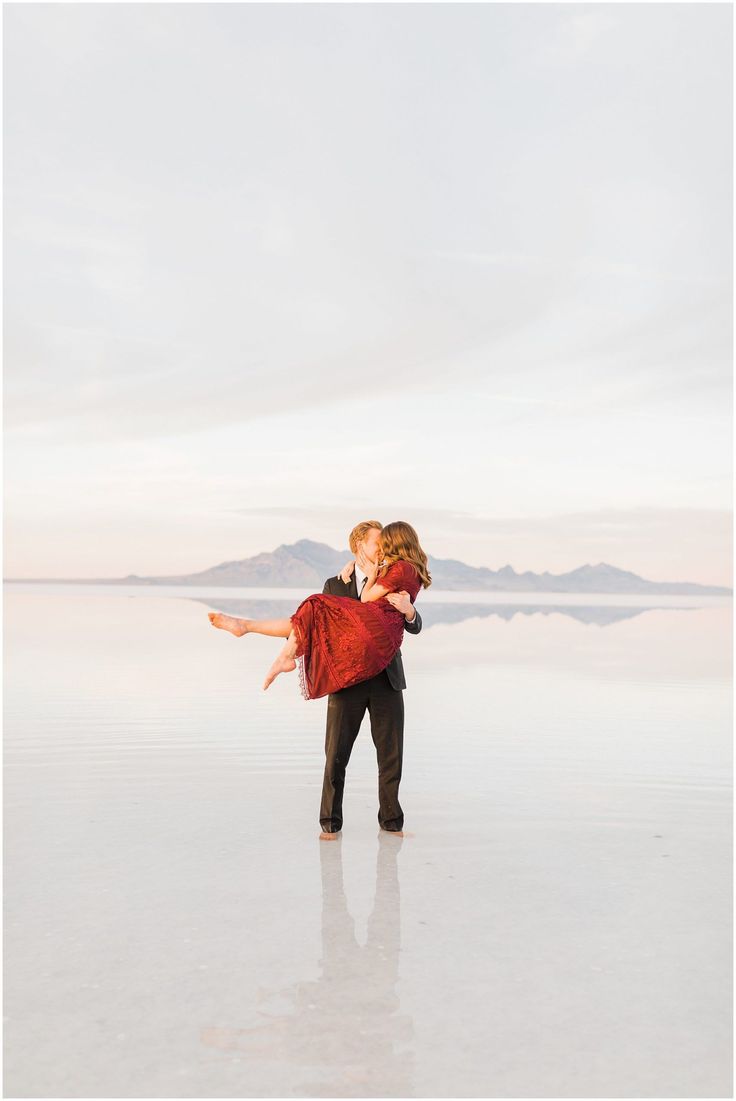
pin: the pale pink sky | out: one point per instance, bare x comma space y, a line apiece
273, 269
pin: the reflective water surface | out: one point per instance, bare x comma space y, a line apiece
555, 923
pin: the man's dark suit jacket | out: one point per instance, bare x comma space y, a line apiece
395, 669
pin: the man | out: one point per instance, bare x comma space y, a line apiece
381, 696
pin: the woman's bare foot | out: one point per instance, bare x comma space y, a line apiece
324, 836
229, 623
283, 664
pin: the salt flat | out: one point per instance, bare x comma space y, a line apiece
556, 923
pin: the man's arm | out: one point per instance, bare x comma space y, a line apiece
402, 602
415, 625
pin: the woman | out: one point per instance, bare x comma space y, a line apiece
337, 641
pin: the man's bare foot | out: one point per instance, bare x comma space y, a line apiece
395, 833
324, 836
283, 664
229, 623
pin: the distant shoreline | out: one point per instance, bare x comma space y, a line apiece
433, 595
646, 588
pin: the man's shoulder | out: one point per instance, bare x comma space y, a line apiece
336, 586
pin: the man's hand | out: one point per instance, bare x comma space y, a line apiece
347, 572
402, 602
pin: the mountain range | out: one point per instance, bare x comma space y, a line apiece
307, 564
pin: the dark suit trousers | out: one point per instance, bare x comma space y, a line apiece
345, 712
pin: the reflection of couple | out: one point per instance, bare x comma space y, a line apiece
341, 1032
346, 641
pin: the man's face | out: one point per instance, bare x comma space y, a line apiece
372, 544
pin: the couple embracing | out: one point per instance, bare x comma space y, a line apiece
345, 643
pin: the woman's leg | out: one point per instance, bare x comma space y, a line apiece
279, 628
284, 663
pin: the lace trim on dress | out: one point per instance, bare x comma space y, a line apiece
299, 658
303, 687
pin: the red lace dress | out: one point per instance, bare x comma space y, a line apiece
342, 641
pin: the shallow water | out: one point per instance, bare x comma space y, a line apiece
556, 923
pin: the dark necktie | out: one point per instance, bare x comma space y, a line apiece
362, 585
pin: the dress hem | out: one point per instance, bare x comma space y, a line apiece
299, 657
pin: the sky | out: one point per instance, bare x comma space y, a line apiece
274, 269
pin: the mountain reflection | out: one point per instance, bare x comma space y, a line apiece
602, 615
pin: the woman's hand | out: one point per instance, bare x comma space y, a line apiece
370, 569
347, 572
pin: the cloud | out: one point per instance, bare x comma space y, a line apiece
493, 269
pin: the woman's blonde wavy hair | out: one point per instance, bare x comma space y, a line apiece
400, 541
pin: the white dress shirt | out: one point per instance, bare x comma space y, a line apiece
360, 577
